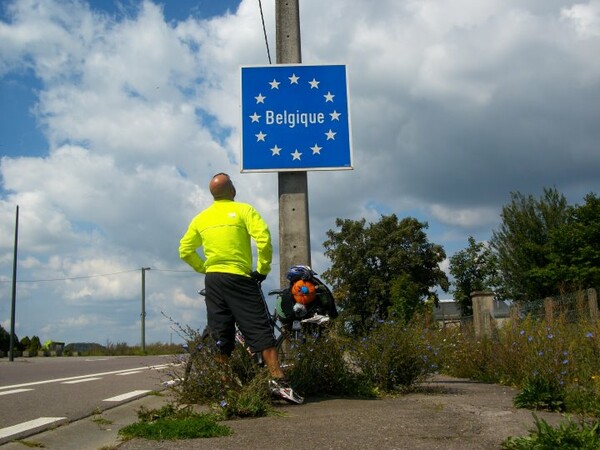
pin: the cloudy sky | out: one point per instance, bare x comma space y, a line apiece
114, 115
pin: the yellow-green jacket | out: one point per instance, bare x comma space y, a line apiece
224, 230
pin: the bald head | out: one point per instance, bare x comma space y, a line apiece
221, 187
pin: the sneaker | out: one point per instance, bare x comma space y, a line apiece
283, 390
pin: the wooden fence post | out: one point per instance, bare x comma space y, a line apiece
483, 308
549, 310
593, 304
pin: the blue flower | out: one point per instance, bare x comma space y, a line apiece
550, 336
522, 332
589, 334
565, 361
223, 403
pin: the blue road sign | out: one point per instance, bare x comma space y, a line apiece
295, 117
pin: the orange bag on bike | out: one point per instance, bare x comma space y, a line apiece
304, 291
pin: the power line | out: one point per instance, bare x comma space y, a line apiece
74, 278
83, 277
262, 17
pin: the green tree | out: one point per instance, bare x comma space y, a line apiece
25, 343
382, 268
522, 242
574, 255
35, 344
474, 269
5, 340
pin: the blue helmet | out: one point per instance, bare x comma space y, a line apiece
295, 273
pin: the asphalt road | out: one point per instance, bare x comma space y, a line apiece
47, 391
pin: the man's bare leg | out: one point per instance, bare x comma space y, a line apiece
272, 361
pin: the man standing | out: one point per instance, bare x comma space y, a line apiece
224, 230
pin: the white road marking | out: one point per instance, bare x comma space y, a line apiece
84, 380
15, 391
23, 428
129, 373
59, 380
127, 396
161, 366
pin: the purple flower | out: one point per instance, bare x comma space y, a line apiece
589, 334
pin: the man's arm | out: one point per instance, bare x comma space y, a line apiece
188, 245
259, 231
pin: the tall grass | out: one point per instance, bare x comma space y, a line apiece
558, 361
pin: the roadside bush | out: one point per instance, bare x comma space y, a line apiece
541, 393
556, 365
396, 356
322, 366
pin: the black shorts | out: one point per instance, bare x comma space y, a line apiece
235, 298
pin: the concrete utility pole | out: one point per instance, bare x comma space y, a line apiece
143, 314
11, 342
294, 229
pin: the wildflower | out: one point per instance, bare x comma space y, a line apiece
223, 403
529, 338
541, 352
522, 332
565, 361
550, 336
589, 334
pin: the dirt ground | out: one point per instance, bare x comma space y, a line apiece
448, 413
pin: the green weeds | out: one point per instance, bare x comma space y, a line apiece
169, 423
566, 436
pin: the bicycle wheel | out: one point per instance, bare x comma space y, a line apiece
288, 344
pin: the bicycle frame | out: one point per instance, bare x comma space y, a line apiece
288, 337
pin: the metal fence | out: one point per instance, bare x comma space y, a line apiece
574, 306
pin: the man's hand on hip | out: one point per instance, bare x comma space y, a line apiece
258, 276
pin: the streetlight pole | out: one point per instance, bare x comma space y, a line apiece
143, 315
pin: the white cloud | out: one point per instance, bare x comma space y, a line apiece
585, 18
453, 107
468, 218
